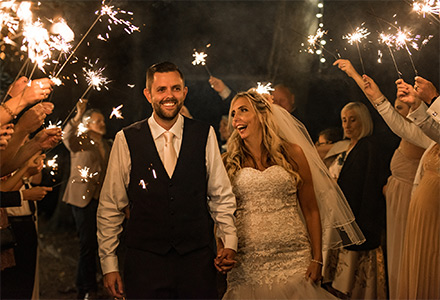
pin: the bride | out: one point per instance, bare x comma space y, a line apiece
288, 208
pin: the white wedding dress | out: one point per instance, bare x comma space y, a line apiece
273, 246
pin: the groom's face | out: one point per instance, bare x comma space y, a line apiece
166, 95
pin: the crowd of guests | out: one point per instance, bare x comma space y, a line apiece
293, 219
22, 153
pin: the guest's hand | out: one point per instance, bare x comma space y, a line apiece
48, 138
34, 117
217, 84
6, 132
406, 93
371, 90
425, 90
18, 86
113, 284
345, 66
36, 193
35, 164
224, 262
314, 272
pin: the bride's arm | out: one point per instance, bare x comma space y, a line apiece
310, 210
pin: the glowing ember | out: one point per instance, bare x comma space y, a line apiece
52, 163
427, 7
143, 184
116, 112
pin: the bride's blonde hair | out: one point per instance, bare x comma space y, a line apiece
275, 148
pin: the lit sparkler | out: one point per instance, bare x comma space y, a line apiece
264, 89
357, 36
85, 174
116, 112
81, 129
36, 43
388, 39
56, 125
52, 163
430, 7
112, 13
200, 59
316, 41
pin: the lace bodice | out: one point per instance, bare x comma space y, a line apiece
273, 242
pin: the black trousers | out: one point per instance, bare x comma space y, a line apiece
171, 276
18, 282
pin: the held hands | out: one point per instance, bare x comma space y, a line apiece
35, 164
113, 284
224, 262
314, 272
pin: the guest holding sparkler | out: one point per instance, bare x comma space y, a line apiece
167, 169
412, 219
89, 153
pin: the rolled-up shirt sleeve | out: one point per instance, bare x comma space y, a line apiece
221, 201
113, 200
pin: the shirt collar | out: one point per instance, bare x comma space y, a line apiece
157, 130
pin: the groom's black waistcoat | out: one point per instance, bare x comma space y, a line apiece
168, 213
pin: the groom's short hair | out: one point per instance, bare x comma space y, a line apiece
162, 67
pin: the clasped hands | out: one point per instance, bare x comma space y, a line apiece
224, 261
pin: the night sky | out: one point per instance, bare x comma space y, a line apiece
250, 41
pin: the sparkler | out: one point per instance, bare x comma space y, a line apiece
52, 163
85, 174
401, 42
264, 89
36, 43
316, 41
81, 129
431, 7
56, 125
94, 79
199, 59
143, 184
356, 37
387, 39
116, 112
112, 19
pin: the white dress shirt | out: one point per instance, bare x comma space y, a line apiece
114, 197
427, 119
402, 127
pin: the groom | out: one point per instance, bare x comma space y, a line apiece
168, 172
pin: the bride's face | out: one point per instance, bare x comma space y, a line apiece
244, 119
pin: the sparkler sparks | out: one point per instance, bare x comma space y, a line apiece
81, 129
56, 125
36, 42
112, 13
85, 174
431, 7
116, 112
95, 78
143, 184
357, 36
264, 89
199, 58
52, 163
